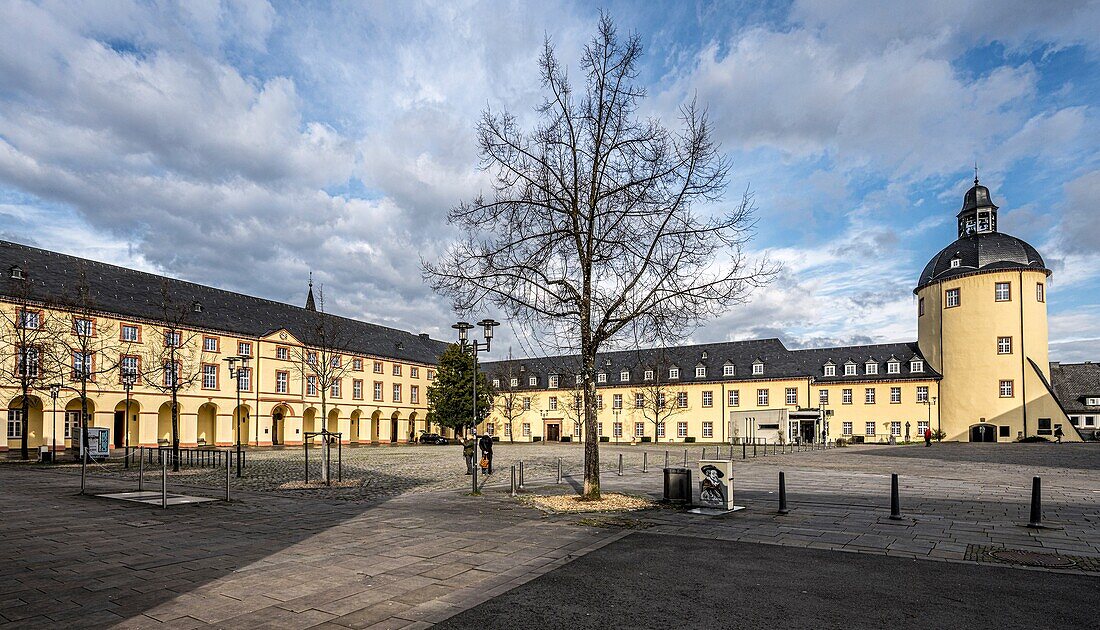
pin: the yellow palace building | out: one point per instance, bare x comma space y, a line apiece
376, 387
979, 370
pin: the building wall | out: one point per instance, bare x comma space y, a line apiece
207, 417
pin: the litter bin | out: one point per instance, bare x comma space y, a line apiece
44, 454
678, 485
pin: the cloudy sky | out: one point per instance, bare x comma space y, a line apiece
243, 144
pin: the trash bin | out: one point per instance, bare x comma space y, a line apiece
678, 485
44, 454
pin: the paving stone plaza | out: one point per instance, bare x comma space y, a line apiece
405, 546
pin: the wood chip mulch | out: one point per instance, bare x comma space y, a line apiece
609, 502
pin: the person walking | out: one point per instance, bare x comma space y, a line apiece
1058, 434
928, 436
469, 450
486, 444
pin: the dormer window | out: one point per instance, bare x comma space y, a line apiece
870, 368
513, 382
700, 372
704, 355
830, 370
727, 369
580, 379
849, 369
496, 382
893, 367
553, 380
648, 375
956, 262
533, 381
601, 377
916, 365
758, 367
196, 307
1092, 402
674, 372
624, 376
16, 273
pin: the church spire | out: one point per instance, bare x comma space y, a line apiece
311, 305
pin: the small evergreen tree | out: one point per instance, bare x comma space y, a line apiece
450, 397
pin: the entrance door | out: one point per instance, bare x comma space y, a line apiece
983, 433
393, 431
553, 433
120, 428
276, 435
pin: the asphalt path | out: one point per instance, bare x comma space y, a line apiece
660, 581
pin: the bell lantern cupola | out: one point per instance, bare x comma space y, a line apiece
979, 213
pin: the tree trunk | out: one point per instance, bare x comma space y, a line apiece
592, 437
325, 451
175, 433
25, 421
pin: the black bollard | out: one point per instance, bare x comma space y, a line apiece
620, 464
521, 475
743, 447
1036, 521
514, 480
895, 499
666, 459
782, 494
645, 461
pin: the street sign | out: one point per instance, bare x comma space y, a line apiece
99, 442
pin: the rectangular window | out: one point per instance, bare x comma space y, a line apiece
27, 362
209, 344
708, 399
397, 369
849, 369
1044, 426
660, 400
1004, 345
617, 429
30, 320
397, 392
870, 428
209, 376
334, 389
681, 429
245, 380
526, 429
244, 348
533, 381
791, 395
922, 393
580, 379
282, 382
823, 396
708, 429
922, 426
682, 400
1040, 292
871, 368
734, 396
357, 389
577, 429
83, 363
311, 385
414, 394
951, 298
761, 398
1006, 389
357, 365
660, 429
378, 391
171, 339
282, 353
700, 372
512, 382
335, 362
757, 368
895, 428
490, 429
377, 367
846, 428
414, 372
920, 307
311, 358
599, 401
639, 429
624, 376
601, 377
431, 375
727, 370
554, 380
1002, 292
508, 430
916, 365
869, 395
895, 395
527, 403
15, 424
893, 367
83, 327
830, 370
72, 421
846, 396
648, 375
552, 403
129, 332
129, 365
639, 401
617, 401
674, 373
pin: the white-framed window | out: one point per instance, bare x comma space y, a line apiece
870, 368
734, 397
532, 381
869, 395
849, 369
334, 362
554, 380
1090, 421
377, 391
922, 426
660, 429
916, 365
616, 401
617, 429
311, 357
846, 428
823, 396
171, 339
209, 344
552, 403
895, 395
334, 389
757, 368
639, 429
1004, 345
83, 365
513, 382
674, 372
357, 389
431, 375
378, 368
830, 370
526, 429
893, 367
869, 428
1002, 292
282, 353
527, 403
708, 399
1006, 389
846, 396
599, 401
397, 392
30, 320
356, 364
922, 393
648, 375
414, 394
681, 429
72, 421
895, 428
397, 369
28, 362
490, 429
791, 395
682, 400
311, 385
83, 327
762, 398
599, 428
282, 382
601, 377
1040, 292
700, 372
244, 348
576, 429
727, 370
580, 379
639, 400
414, 372
209, 376
1092, 402
15, 424
129, 364
496, 382
660, 400
130, 332
508, 430
624, 376
951, 298
708, 429
956, 262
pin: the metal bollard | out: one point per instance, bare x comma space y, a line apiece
228, 474
559, 471
164, 483
645, 461
685, 458
514, 480
620, 464
743, 447
1036, 521
141, 469
754, 449
765, 449
782, 494
521, 475
666, 459
895, 499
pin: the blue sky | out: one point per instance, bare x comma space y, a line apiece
243, 144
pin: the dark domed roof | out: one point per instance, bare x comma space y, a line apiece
988, 251
977, 197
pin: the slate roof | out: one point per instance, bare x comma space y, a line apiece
127, 293
779, 362
988, 251
1073, 383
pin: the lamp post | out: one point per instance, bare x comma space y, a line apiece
55, 391
235, 373
129, 377
475, 347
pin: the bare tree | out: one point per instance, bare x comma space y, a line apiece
29, 349
511, 401
658, 395
174, 356
322, 362
594, 234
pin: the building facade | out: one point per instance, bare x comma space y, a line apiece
106, 321
979, 370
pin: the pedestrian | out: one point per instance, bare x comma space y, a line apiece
1058, 434
928, 436
486, 444
469, 450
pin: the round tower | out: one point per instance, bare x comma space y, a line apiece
982, 324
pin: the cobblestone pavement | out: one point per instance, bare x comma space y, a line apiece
413, 549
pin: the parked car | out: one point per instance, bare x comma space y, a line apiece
432, 438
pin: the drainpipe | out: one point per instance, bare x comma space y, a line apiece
1023, 354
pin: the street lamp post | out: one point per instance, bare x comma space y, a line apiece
55, 391
235, 373
474, 347
129, 377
